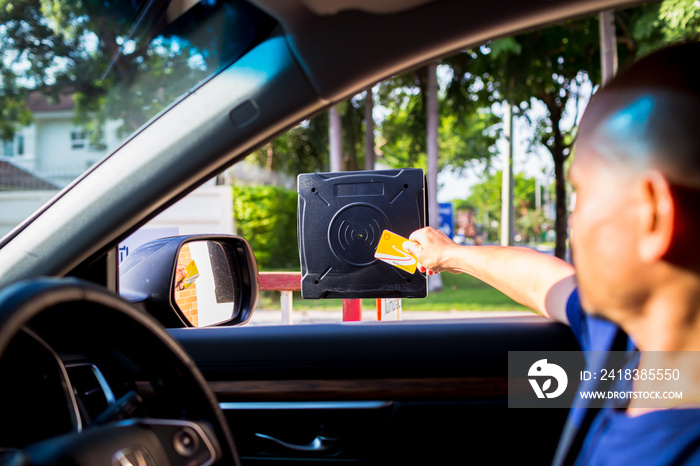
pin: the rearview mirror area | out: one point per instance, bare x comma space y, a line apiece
193, 281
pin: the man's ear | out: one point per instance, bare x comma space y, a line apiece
658, 222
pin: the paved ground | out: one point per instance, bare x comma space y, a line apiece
273, 317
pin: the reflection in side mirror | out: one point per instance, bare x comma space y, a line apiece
204, 288
192, 280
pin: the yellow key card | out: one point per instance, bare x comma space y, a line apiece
390, 250
192, 275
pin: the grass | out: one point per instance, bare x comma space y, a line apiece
460, 292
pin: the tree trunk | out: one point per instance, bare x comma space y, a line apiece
561, 221
270, 161
369, 131
556, 148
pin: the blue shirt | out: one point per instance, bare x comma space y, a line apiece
665, 437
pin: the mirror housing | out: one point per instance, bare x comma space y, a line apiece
152, 279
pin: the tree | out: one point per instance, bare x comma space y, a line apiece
28, 49
463, 136
549, 65
646, 28
302, 149
305, 148
552, 64
485, 199
59, 46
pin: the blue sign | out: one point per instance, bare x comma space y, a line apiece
447, 223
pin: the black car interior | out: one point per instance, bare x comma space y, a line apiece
432, 392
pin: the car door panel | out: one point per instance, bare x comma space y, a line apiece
377, 393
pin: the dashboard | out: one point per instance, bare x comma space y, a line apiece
85, 378
36, 386
44, 396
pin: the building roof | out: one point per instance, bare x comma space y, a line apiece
37, 102
15, 178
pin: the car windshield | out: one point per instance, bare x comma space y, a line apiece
78, 78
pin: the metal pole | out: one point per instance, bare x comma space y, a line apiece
335, 136
507, 216
352, 310
285, 283
608, 45
286, 307
433, 123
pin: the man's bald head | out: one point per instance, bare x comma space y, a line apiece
648, 116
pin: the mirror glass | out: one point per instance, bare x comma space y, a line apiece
206, 285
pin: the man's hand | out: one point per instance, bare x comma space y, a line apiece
431, 248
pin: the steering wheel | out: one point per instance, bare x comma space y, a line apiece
178, 420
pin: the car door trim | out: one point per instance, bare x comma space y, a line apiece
302, 405
361, 389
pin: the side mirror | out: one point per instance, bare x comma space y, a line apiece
192, 281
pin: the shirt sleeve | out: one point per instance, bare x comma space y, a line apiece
577, 319
592, 333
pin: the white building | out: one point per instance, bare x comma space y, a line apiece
53, 148
51, 152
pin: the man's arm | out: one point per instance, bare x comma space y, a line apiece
536, 280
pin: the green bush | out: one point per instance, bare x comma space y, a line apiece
267, 217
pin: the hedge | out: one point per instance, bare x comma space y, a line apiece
267, 217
